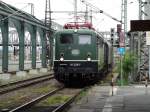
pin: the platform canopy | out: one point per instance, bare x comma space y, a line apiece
15, 13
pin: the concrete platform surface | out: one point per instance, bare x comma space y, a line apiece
21, 75
135, 98
14, 66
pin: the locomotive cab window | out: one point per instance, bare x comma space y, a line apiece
84, 39
66, 39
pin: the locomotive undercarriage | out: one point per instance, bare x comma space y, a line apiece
86, 73
77, 78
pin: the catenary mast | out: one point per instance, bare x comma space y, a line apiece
75, 11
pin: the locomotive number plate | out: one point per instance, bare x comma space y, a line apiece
75, 64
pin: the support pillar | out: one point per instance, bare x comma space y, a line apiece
21, 34
44, 43
51, 48
21, 46
51, 53
33, 39
4, 29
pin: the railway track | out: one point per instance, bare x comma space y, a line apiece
66, 104
32, 105
23, 83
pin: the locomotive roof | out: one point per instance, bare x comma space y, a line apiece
76, 31
82, 31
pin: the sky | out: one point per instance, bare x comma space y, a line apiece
100, 21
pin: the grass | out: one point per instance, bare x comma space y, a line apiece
23, 97
62, 99
125, 82
43, 90
10, 101
55, 100
81, 95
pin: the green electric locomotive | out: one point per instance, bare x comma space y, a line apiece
81, 56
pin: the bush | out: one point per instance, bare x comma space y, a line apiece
128, 62
124, 82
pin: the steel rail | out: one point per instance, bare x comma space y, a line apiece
34, 101
24, 83
66, 104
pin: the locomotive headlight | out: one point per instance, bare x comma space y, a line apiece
61, 59
88, 59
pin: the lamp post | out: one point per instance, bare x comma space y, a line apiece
121, 48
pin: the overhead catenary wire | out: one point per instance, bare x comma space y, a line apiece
100, 11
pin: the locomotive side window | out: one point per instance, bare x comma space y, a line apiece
84, 39
66, 38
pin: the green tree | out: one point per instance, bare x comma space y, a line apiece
128, 62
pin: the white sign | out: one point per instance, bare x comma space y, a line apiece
148, 38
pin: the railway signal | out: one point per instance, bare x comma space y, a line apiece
112, 35
112, 32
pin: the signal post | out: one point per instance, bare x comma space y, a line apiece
121, 49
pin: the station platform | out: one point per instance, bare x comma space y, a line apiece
13, 66
15, 76
134, 98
